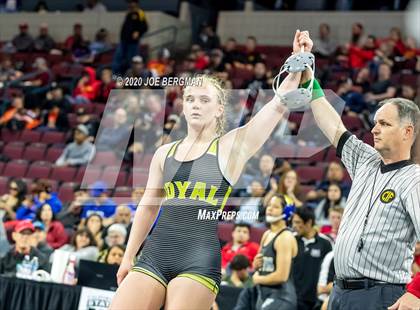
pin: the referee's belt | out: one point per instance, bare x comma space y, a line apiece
357, 284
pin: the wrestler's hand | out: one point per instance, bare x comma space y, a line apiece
302, 39
406, 302
123, 270
258, 261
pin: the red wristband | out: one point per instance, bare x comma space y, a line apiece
414, 286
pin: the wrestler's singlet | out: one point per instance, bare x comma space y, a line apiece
182, 244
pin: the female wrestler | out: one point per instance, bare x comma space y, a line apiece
274, 262
179, 266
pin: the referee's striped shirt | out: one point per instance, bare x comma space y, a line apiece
393, 226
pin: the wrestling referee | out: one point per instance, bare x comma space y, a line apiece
381, 223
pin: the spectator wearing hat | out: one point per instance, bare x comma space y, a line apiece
99, 203
134, 27
23, 42
138, 69
39, 239
56, 235
79, 152
162, 65
101, 42
22, 235
90, 121
44, 42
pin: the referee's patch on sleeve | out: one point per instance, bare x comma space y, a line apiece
387, 196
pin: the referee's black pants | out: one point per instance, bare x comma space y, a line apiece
378, 297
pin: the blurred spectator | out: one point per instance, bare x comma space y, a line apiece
7, 69
239, 276
43, 194
136, 196
116, 234
232, 56
83, 246
115, 138
56, 235
10, 202
259, 80
324, 45
44, 42
326, 280
56, 98
101, 42
138, 69
162, 66
87, 87
115, 254
411, 48
41, 75
89, 121
27, 209
134, 27
122, 215
416, 263
333, 199
105, 86
252, 56
56, 108
79, 152
22, 235
240, 245
335, 174
41, 7
396, 41
359, 56
4, 242
312, 248
381, 89
354, 100
334, 217
76, 40
289, 187
254, 203
17, 117
10, 6
39, 239
358, 37
94, 6
23, 42
207, 38
99, 202
407, 92
216, 64
70, 216
94, 223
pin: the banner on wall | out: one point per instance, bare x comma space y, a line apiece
95, 299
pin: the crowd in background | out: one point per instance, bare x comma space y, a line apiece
37, 97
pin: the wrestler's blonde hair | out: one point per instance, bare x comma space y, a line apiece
221, 95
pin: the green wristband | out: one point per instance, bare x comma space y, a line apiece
317, 91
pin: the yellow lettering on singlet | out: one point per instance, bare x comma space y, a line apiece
229, 190
210, 199
169, 190
182, 188
199, 191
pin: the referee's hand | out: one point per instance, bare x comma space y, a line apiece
406, 302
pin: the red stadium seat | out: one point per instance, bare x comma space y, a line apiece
256, 234
352, 123
114, 176
145, 161
331, 155
105, 159
39, 169
53, 153
35, 151
224, 231
66, 191
99, 108
284, 151
14, 150
88, 176
368, 138
2, 164
30, 136
308, 174
137, 178
410, 79
51, 137
16, 168
65, 174
4, 181
305, 151
306, 189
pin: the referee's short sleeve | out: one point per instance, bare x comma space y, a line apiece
412, 202
354, 152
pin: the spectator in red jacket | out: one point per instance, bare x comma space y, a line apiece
240, 245
87, 86
360, 56
105, 85
56, 235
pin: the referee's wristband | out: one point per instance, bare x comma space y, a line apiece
317, 91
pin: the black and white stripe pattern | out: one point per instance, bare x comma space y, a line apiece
392, 228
